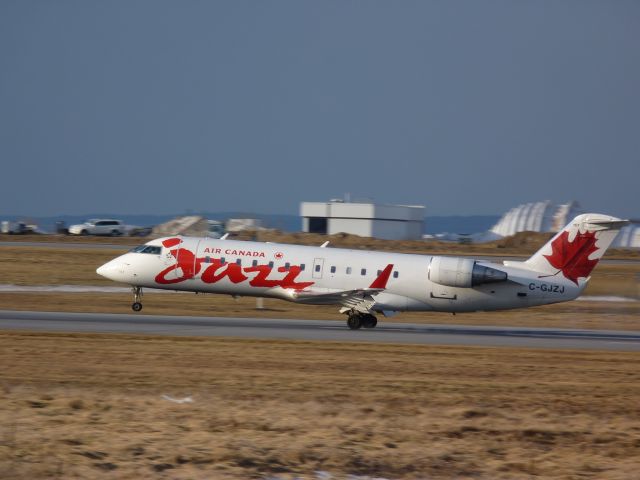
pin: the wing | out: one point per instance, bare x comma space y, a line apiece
361, 299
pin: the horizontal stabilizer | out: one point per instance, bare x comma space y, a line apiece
597, 225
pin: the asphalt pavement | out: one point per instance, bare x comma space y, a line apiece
320, 330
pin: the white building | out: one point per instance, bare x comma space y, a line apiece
629, 237
536, 217
548, 217
391, 222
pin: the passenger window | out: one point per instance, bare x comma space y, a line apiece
254, 263
395, 274
318, 268
379, 272
286, 266
363, 271
333, 269
270, 264
239, 261
223, 261
207, 259
348, 270
302, 267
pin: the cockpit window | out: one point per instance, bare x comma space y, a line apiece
152, 249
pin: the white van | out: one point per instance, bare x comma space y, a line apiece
98, 227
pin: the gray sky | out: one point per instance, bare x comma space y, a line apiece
466, 107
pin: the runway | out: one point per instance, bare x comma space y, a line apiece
320, 330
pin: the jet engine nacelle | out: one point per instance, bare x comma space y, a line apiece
462, 272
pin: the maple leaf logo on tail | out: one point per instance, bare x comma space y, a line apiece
572, 258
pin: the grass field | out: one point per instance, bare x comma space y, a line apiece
77, 266
92, 406
59, 266
521, 244
77, 406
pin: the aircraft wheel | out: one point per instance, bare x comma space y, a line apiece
369, 321
354, 322
136, 307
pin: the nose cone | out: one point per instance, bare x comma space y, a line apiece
115, 270
102, 270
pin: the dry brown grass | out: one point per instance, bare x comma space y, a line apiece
53, 266
57, 266
76, 239
91, 406
520, 244
60, 266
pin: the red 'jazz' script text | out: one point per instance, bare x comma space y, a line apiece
215, 270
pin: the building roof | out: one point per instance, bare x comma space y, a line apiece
339, 209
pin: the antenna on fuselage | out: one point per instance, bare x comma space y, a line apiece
224, 237
324, 244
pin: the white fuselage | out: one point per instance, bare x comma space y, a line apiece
281, 271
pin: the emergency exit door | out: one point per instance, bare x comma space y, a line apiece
318, 266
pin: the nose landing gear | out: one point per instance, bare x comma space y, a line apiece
357, 320
137, 296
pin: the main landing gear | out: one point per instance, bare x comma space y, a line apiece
136, 306
358, 320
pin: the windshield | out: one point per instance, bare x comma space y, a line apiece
152, 249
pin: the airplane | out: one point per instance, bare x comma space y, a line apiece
365, 284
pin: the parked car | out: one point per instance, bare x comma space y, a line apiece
99, 227
19, 228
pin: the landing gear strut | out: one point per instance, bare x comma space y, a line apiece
137, 296
357, 320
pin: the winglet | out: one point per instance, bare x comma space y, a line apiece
383, 278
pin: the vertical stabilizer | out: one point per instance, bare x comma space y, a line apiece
575, 251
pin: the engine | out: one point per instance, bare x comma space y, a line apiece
462, 272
